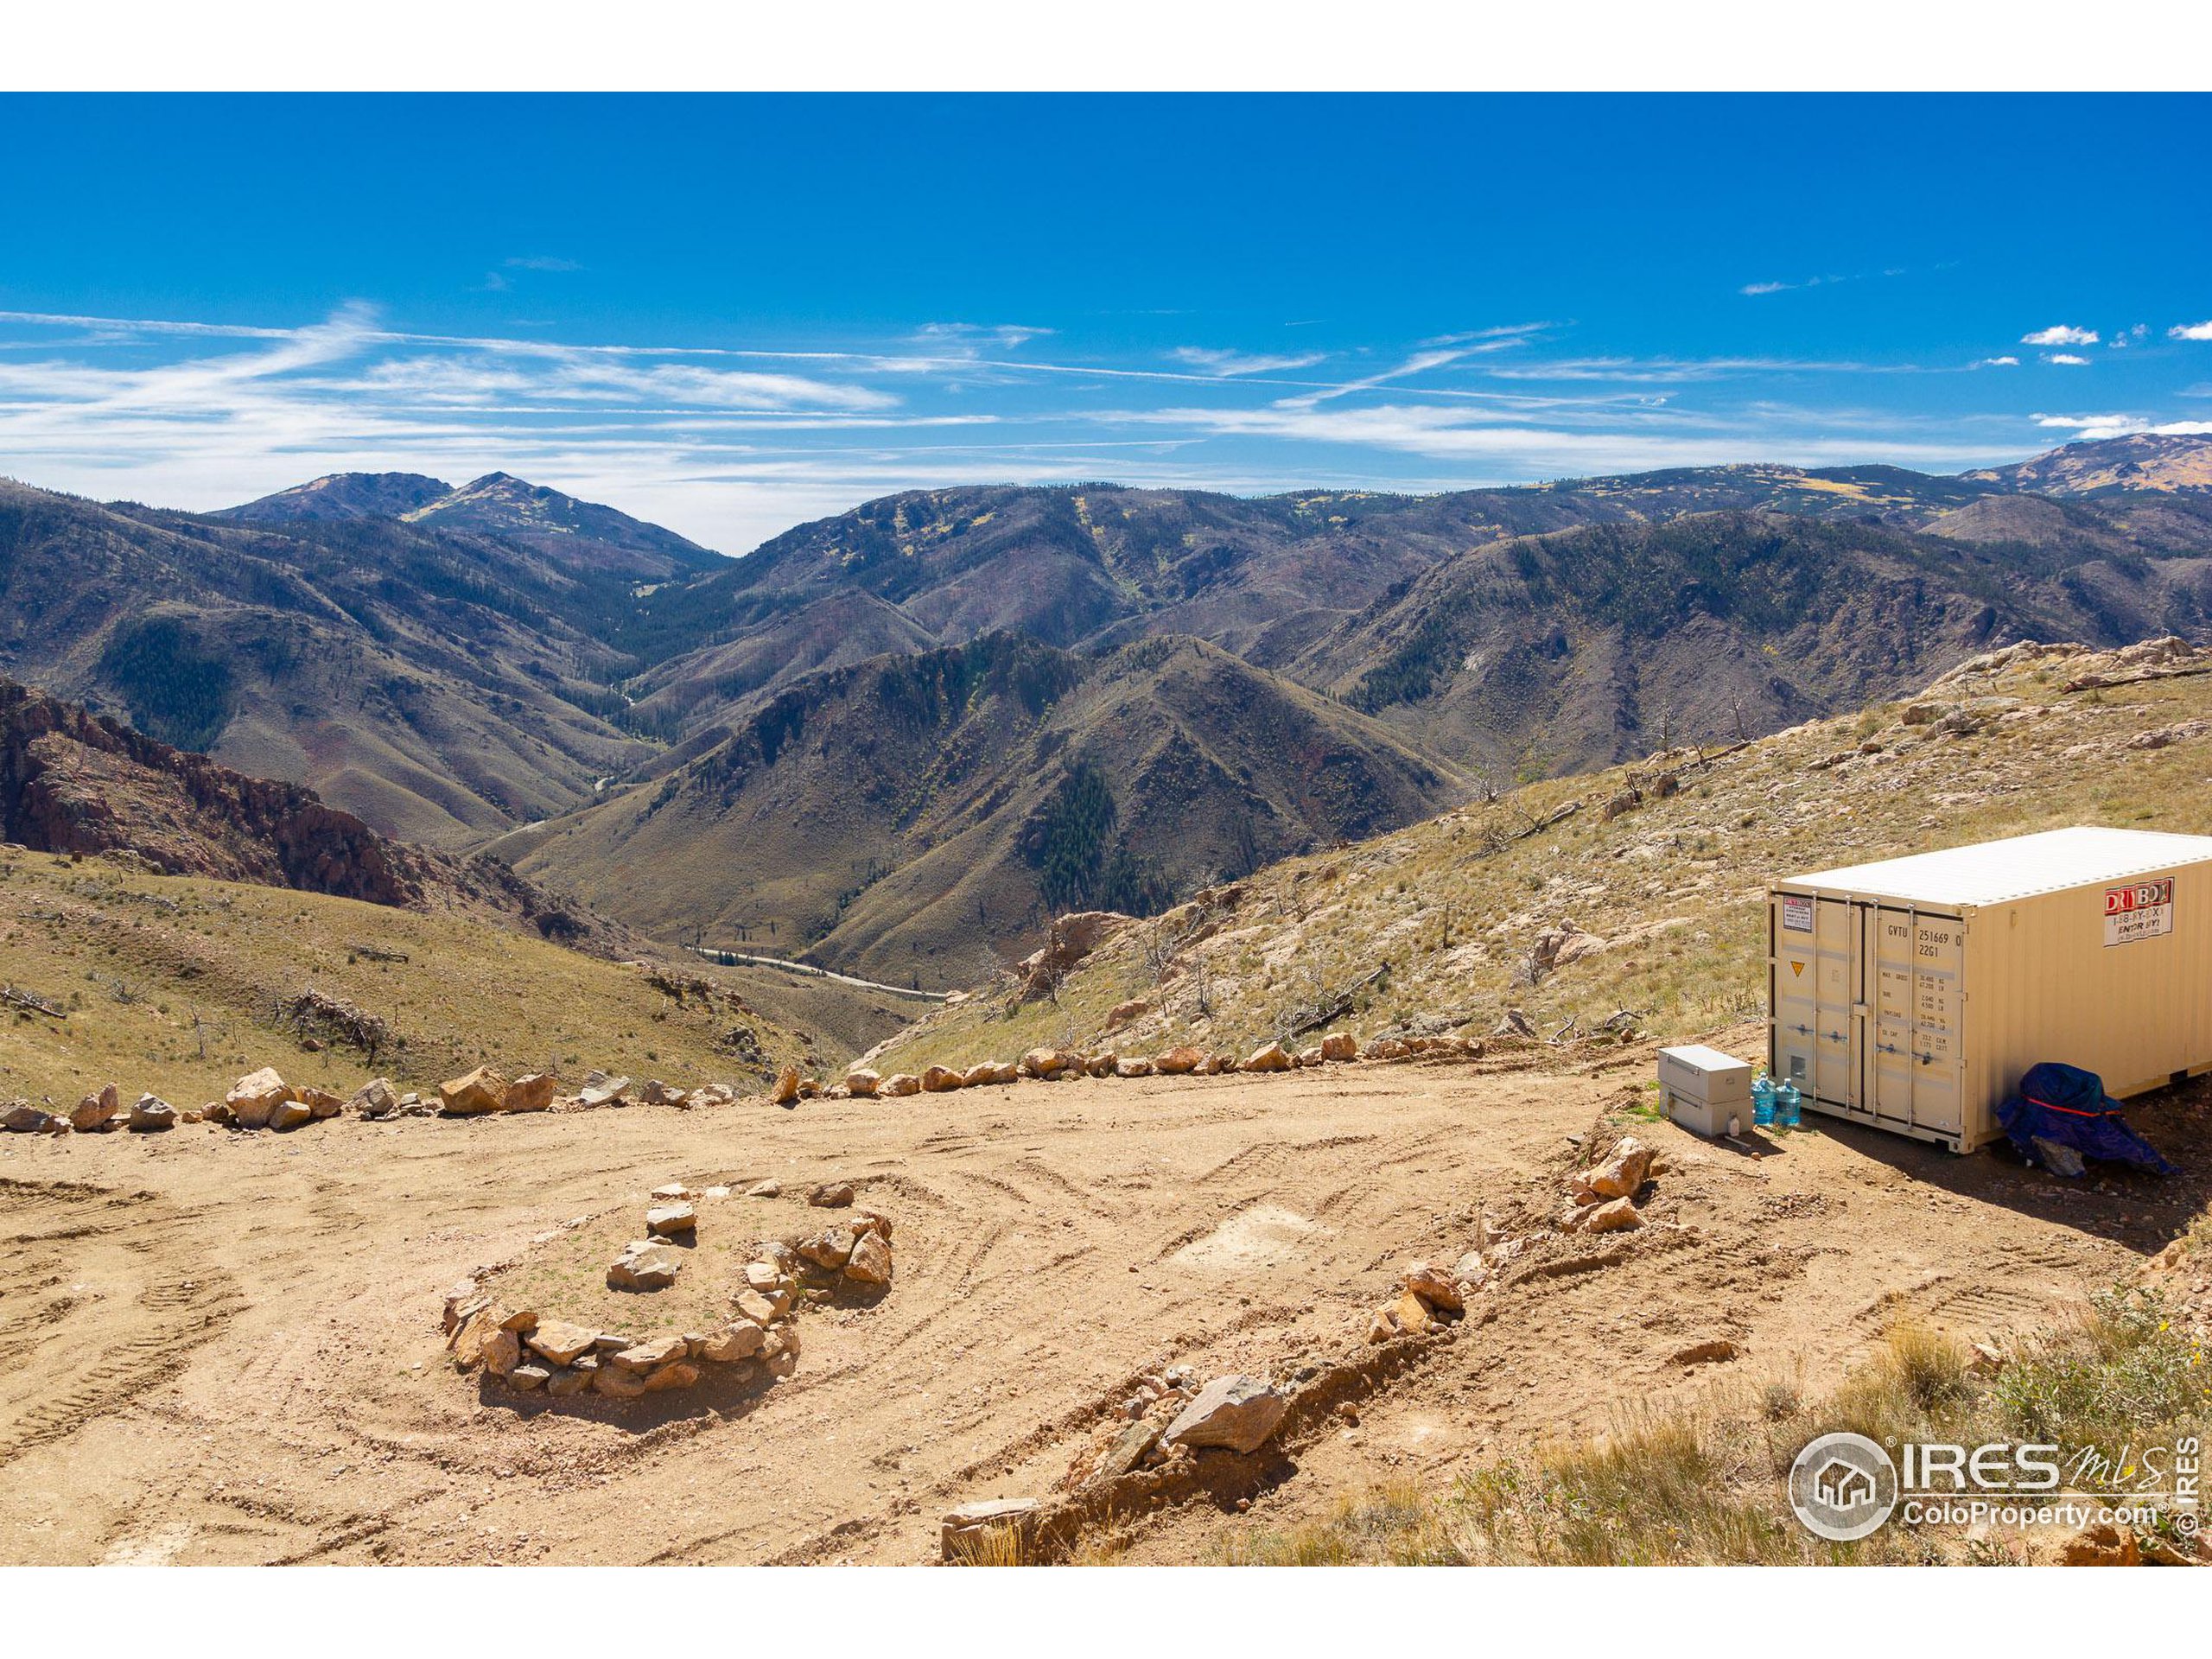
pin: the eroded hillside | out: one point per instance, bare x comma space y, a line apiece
1631, 898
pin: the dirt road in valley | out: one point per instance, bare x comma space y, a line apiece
226, 1348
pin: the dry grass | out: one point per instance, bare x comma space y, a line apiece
172, 985
1708, 1482
1675, 886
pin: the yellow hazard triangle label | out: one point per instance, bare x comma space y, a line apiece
1797, 969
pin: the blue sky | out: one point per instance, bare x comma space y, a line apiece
732, 313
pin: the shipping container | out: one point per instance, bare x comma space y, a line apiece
1912, 993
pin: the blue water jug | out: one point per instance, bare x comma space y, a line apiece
1787, 1103
1762, 1101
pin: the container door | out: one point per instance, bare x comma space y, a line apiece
1919, 1009
1818, 953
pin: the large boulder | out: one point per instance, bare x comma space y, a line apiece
831, 1195
902, 1083
1619, 1216
1237, 1412
1268, 1057
785, 1093
152, 1113
251, 1099
670, 1220
376, 1098
1047, 1062
651, 1354
291, 1114
23, 1118
862, 1084
1067, 942
480, 1091
1435, 1285
533, 1093
942, 1079
97, 1112
1339, 1046
1178, 1060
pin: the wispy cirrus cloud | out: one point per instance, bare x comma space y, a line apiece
2067, 359
1226, 364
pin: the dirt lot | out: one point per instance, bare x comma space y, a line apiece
225, 1348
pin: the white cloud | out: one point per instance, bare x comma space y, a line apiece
2190, 331
2007, 362
542, 261
969, 338
1766, 288
2067, 359
1228, 364
2060, 334
2089, 428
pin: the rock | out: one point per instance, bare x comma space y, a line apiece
1135, 1066
672, 1193
1269, 1057
862, 1084
152, 1112
97, 1112
677, 1374
1624, 1172
1515, 1023
1121, 1013
1179, 1060
1130, 1448
830, 1249
320, 1102
964, 1529
1237, 1412
606, 1091
291, 1114
643, 1265
764, 1276
561, 1342
942, 1079
2101, 1545
617, 1384
1339, 1046
651, 1354
500, 1350
1309, 1057
1616, 1216
1101, 1066
1412, 1315
1047, 1062
670, 1220
1384, 1048
1067, 941
375, 1098
528, 1377
870, 1221
871, 1260
769, 1188
533, 1093
1433, 1286
785, 1093
780, 1348
565, 1384
23, 1118
480, 1091
741, 1339
756, 1307
831, 1195
521, 1321
902, 1083
1471, 1270
254, 1096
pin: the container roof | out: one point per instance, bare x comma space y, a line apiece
1998, 872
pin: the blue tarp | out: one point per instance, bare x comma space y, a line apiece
2069, 1106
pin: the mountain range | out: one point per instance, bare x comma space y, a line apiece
897, 737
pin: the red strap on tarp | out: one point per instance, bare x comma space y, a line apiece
2071, 1111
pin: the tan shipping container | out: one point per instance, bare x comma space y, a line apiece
1912, 993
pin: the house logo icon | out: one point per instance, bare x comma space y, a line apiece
1843, 1487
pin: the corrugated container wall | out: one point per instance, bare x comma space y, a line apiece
1912, 993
